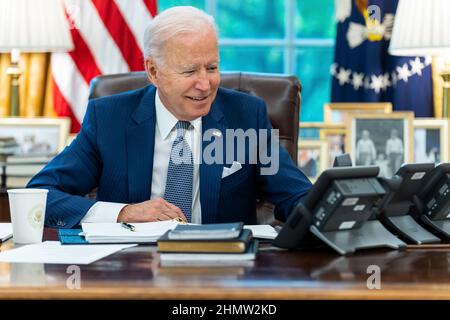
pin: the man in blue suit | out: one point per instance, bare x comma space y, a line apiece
163, 152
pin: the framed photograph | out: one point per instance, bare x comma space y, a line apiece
312, 157
337, 113
335, 136
385, 140
35, 136
431, 140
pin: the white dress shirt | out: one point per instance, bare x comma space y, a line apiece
165, 134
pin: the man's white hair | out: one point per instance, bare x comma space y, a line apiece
167, 24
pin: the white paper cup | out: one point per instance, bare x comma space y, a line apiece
27, 207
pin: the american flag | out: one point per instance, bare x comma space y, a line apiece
108, 38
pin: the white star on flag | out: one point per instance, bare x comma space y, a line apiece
358, 80
403, 73
343, 76
416, 66
428, 60
377, 83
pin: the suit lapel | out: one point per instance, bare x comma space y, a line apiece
211, 174
140, 148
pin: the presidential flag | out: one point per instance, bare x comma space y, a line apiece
108, 36
363, 71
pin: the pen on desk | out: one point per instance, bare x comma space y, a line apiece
178, 219
128, 226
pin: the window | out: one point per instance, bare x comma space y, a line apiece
276, 36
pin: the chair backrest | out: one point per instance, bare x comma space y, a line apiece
280, 92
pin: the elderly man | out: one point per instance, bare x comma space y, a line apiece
145, 150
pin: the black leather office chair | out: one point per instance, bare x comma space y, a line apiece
280, 92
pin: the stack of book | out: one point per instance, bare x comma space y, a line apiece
20, 168
222, 243
8, 145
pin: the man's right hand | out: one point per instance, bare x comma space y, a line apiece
149, 211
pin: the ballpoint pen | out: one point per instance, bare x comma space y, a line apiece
128, 226
179, 220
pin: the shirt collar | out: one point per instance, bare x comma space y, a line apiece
166, 121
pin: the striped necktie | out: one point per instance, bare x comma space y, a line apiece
179, 175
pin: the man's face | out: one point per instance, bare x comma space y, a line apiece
394, 134
188, 78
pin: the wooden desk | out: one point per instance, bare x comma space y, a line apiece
135, 274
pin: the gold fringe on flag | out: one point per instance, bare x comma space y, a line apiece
5, 80
35, 85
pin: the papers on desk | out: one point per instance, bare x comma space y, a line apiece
148, 232
5, 231
52, 252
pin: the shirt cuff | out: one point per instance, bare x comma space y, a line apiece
103, 212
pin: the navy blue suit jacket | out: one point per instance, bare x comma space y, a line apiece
114, 152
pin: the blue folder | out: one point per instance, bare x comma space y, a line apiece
71, 236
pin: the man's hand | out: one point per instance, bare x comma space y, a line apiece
149, 211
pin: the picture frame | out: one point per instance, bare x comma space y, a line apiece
36, 135
430, 140
334, 134
337, 113
385, 140
312, 157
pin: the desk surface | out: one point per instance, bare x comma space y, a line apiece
322, 274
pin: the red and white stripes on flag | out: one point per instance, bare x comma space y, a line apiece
108, 38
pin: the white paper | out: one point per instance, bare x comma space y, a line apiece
5, 231
148, 232
262, 231
52, 252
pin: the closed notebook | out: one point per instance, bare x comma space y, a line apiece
235, 245
207, 231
